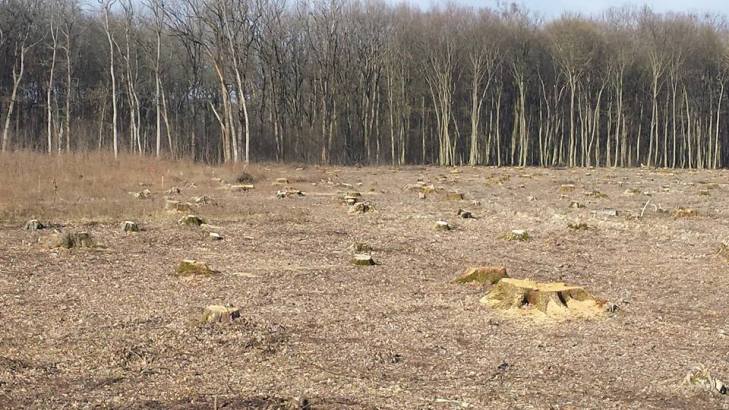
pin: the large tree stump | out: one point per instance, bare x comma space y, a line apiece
551, 299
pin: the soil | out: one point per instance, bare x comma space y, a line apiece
111, 327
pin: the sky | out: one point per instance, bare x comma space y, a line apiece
553, 8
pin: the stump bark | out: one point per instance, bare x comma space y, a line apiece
551, 299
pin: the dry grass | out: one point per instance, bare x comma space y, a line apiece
95, 187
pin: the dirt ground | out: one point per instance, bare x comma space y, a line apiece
112, 327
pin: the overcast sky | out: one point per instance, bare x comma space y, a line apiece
553, 8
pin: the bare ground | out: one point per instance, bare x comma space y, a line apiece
111, 327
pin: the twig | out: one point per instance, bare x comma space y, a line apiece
644, 207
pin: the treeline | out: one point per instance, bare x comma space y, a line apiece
347, 81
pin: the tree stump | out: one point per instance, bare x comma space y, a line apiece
220, 314
360, 208
566, 188
190, 267
443, 226
191, 220
518, 235
288, 193
551, 299
144, 194
70, 240
363, 259
241, 188
129, 226
484, 275
684, 213
177, 206
34, 225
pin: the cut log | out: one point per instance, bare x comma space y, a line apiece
551, 299
484, 275
281, 181
220, 314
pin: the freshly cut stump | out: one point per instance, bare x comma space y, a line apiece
34, 225
360, 208
556, 300
454, 196
288, 193
484, 275
363, 260
70, 240
241, 188
220, 314
177, 206
129, 226
517, 235
190, 267
684, 213
191, 220
443, 226
566, 188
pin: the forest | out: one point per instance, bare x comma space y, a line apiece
364, 82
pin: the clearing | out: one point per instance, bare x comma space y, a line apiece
114, 325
